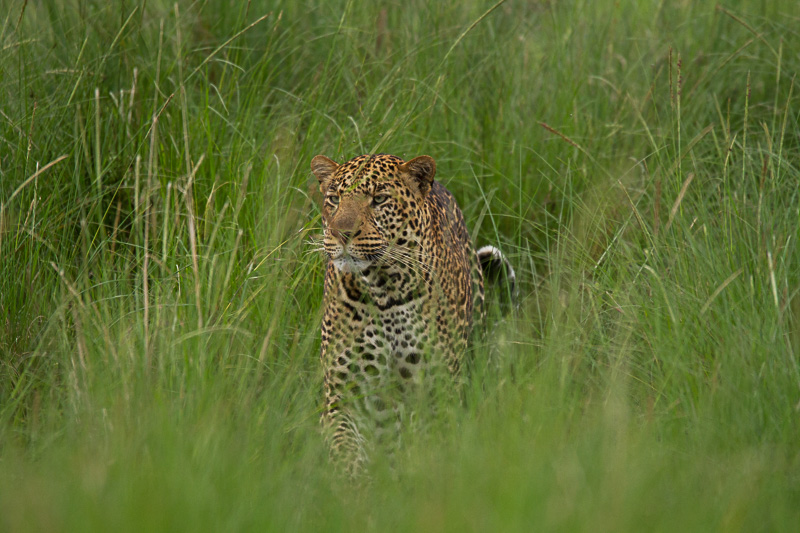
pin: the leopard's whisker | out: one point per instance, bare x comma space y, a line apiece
409, 258
412, 263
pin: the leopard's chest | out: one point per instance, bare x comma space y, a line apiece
380, 335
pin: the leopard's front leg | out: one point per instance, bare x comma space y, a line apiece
346, 444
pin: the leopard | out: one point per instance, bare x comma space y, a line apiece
403, 288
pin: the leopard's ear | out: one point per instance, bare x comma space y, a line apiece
421, 170
323, 168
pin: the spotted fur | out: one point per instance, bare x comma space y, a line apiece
401, 287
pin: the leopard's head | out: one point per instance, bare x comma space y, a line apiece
373, 207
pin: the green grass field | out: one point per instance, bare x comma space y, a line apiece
159, 300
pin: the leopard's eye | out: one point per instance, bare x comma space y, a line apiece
381, 198
334, 199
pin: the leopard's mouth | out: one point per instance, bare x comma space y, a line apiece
348, 262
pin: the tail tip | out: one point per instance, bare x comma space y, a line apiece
496, 265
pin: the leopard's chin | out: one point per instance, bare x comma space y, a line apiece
350, 264
346, 260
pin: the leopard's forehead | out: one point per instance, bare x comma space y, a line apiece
364, 171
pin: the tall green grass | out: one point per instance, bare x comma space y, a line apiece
159, 307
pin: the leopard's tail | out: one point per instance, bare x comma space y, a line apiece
497, 268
